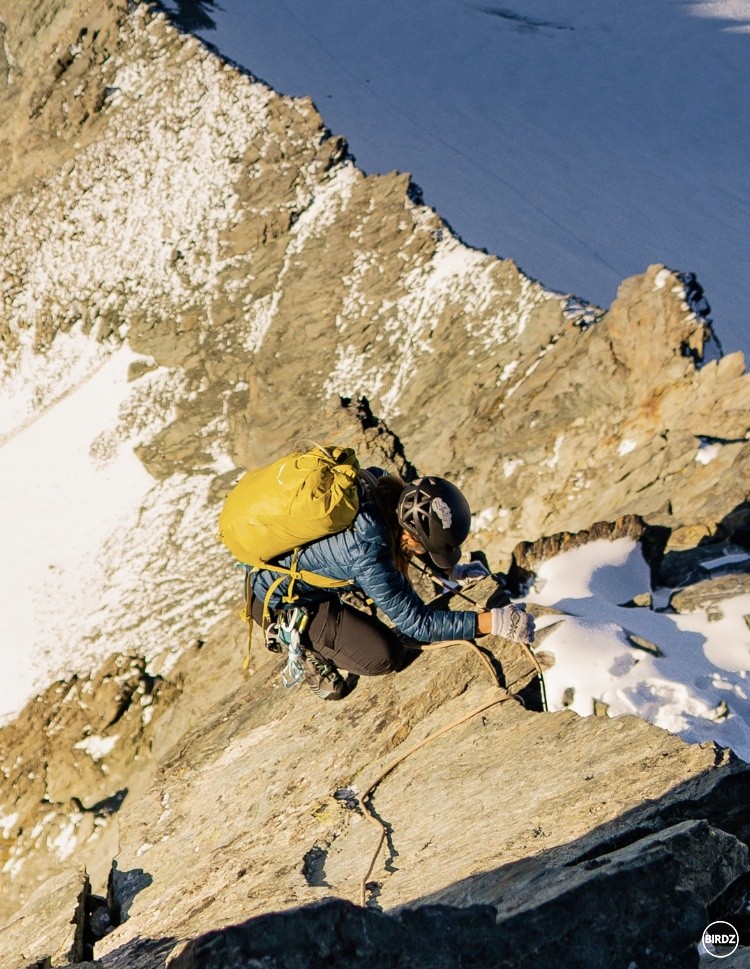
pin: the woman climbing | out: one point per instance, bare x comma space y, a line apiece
393, 523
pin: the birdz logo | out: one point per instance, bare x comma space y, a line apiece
720, 939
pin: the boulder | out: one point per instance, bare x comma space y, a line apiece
683, 567
711, 593
601, 912
49, 928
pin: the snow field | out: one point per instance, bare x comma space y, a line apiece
96, 557
699, 688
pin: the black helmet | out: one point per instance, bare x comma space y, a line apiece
436, 513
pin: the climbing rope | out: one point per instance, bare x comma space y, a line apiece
366, 799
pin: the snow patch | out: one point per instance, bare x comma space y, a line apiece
79, 579
661, 278
97, 747
731, 10
697, 688
7, 823
508, 371
626, 446
553, 460
707, 452
484, 519
66, 841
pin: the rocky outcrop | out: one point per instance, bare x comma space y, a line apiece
528, 556
711, 593
49, 930
251, 803
599, 914
67, 763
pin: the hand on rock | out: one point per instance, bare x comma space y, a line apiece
512, 622
468, 570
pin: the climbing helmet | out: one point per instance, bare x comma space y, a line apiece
435, 512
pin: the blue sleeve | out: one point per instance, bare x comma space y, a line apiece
376, 575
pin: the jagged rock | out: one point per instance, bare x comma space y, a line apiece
292, 280
251, 788
738, 960
337, 934
100, 919
686, 567
377, 444
601, 913
711, 593
66, 767
528, 556
542, 634
49, 929
733, 905
640, 642
643, 601
247, 777
545, 659
568, 696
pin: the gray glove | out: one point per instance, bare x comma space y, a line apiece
511, 622
464, 571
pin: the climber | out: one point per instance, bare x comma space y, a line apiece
395, 523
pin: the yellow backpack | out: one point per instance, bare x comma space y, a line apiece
279, 508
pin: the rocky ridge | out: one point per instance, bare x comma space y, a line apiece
249, 801
240, 235
218, 229
157, 197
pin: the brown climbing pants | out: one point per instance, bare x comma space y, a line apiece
350, 639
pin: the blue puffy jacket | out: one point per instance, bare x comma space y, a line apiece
363, 554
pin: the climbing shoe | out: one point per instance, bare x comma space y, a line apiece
323, 677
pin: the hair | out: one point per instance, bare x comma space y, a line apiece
386, 494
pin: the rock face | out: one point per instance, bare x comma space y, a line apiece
251, 803
596, 915
155, 196
67, 762
310, 275
50, 928
263, 279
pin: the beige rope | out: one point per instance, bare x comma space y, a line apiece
367, 795
473, 646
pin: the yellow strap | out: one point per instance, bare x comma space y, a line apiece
295, 574
271, 589
247, 615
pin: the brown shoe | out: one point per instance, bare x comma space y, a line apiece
323, 677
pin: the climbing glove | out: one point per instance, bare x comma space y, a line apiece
511, 622
464, 571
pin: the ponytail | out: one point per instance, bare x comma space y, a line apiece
386, 494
